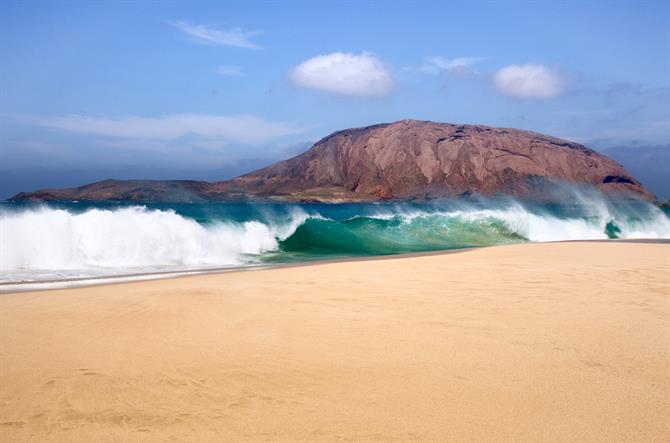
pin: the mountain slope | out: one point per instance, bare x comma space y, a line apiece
124, 190
408, 159
418, 159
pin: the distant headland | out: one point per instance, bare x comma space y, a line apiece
404, 160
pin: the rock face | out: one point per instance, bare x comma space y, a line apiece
408, 159
124, 190
413, 159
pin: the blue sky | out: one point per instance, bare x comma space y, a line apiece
93, 90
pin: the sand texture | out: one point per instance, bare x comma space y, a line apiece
538, 342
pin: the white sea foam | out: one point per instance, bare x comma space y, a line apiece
50, 244
131, 238
635, 219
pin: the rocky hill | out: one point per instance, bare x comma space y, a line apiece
124, 190
408, 159
413, 159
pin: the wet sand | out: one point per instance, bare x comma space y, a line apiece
534, 342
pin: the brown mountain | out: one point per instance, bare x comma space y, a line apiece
408, 159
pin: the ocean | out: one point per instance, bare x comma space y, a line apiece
71, 240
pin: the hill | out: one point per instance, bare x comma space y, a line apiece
406, 160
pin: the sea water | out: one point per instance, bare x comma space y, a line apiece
65, 240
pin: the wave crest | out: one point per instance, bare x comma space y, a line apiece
50, 243
132, 237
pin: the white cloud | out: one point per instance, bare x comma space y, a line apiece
236, 37
362, 75
246, 129
230, 71
528, 81
458, 66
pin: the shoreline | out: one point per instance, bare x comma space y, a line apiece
103, 280
166, 275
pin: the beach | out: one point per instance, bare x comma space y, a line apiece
551, 342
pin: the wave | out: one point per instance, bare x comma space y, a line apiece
409, 231
39, 243
131, 238
370, 235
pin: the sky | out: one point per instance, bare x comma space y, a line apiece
209, 90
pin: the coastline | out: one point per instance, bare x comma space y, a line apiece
83, 282
79, 282
564, 341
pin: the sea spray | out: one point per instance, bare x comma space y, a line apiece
47, 239
61, 240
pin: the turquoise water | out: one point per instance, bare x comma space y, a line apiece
75, 239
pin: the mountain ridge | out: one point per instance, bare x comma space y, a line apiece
403, 160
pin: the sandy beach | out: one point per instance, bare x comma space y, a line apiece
536, 342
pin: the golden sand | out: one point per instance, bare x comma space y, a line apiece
536, 342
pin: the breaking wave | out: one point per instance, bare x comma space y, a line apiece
47, 242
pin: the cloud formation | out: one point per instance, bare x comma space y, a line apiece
235, 37
355, 75
458, 66
245, 129
528, 81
